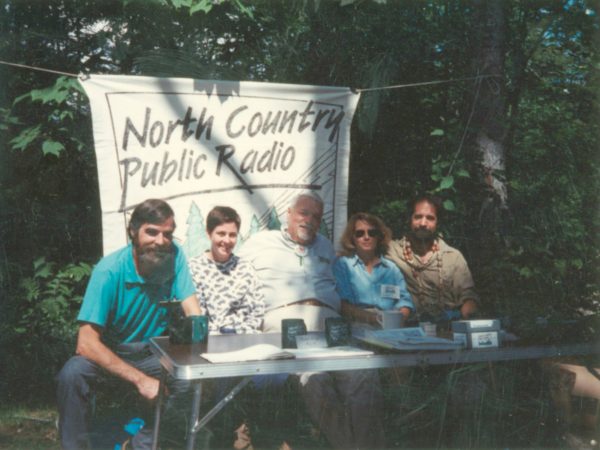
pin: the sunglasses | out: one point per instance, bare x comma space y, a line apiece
372, 232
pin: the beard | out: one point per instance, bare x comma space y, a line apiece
306, 233
423, 235
156, 264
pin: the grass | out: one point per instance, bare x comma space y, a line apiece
28, 428
476, 406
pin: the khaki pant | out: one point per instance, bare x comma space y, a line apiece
345, 405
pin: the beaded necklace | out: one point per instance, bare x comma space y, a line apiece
416, 270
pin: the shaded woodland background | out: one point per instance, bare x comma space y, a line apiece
514, 153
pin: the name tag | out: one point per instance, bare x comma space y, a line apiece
390, 291
313, 340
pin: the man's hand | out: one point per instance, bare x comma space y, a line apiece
90, 346
468, 308
148, 387
405, 312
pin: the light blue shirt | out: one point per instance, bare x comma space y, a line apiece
291, 272
384, 288
120, 301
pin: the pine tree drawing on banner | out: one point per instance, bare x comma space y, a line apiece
254, 226
196, 241
274, 222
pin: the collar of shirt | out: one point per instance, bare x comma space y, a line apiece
355, 260
226, 266
131, 275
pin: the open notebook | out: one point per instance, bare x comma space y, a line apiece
261, 352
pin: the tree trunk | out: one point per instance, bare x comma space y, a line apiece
490, 113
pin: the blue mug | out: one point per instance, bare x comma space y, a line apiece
190, 330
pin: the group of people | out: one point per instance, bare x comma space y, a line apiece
278, 274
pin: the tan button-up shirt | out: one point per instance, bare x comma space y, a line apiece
444, 282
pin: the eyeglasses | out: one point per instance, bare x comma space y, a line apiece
372, 232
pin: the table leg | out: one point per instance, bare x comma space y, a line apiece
192, 430
219, 406
157, 410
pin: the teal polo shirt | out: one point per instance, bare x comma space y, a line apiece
124, 305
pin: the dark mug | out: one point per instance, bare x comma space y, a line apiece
290, 328
190, 330
337, 331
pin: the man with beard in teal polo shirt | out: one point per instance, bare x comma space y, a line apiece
119, 314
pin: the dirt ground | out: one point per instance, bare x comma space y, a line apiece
428, 409
29, 429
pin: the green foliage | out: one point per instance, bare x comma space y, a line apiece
39, 326
51, 296
56, 94
194, 5
205, 6
52, 148
6, 119
64, 91
26, 137
394, 214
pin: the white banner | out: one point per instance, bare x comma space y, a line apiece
198, 144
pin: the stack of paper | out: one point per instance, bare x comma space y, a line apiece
258, 352
261, 352
411, 339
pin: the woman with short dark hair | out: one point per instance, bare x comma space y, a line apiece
228, 288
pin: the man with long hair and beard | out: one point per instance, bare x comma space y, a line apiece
437, 275
442, 289
120, 312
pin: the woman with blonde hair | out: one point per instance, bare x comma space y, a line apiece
367, 282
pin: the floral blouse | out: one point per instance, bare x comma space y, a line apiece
229, 293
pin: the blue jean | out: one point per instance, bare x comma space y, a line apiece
76, 386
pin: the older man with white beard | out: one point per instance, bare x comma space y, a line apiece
119, 314
294, 265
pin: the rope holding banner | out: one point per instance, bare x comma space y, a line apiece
23, 66
425, 83
354, 90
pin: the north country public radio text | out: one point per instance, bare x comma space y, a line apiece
240, 124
